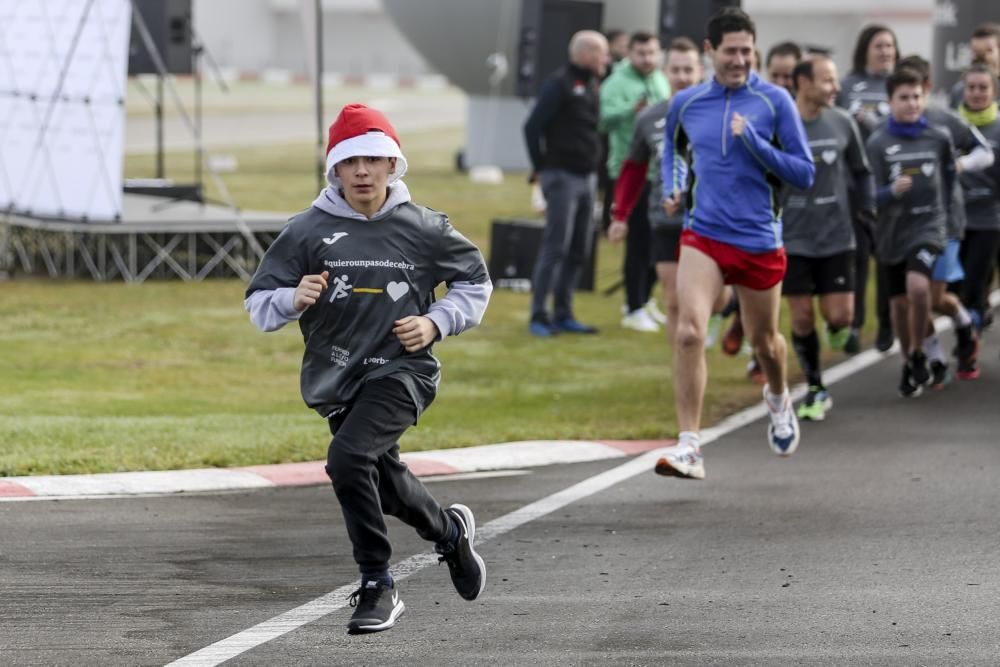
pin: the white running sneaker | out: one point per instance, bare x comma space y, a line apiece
714, 329
640, 320
654, 311
681, 460
783, 428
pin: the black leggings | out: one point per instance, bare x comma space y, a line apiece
978, 254
862, 263
639, 273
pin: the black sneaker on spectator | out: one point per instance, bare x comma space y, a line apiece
377, 607
468, 571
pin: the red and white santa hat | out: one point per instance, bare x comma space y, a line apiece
361, 131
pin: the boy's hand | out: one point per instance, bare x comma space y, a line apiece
415, 332
308, 291
902, 185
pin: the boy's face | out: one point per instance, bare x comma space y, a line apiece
979, 90
732, 58
907, 103
364, 178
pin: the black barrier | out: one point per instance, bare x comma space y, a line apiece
954, 21
514, 246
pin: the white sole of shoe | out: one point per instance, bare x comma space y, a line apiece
470, 524
667, 468
791, 448
397, 611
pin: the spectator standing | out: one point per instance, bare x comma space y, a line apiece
562, 142
635, 84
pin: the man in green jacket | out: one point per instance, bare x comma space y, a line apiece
635, 83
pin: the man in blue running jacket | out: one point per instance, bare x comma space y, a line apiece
729, 144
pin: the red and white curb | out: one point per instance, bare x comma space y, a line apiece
507, 456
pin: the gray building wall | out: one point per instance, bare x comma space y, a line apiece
257, 35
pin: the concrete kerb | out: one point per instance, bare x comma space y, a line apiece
505, 456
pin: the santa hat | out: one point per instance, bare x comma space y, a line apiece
360, 131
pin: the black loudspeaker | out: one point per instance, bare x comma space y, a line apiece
546, 27
514, 246
169, 24
683, 18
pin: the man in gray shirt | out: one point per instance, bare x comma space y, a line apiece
914, 168
358, 271
683, 69
818, 230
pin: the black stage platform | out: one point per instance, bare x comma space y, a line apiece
156, 238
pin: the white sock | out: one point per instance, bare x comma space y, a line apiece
690, 438
775, 401
962, 319
933, 349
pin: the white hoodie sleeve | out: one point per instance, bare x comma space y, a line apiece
272, 309
461, 308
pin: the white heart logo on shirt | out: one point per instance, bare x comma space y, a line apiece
927, 168
829, 156
397, 291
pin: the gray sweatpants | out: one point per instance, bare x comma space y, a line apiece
569, 211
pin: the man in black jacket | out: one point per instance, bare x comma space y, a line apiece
562, 139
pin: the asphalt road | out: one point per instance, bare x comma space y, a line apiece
877, 543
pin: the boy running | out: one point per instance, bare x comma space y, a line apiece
358, 271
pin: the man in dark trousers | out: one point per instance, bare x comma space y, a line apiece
358, 271
561, 134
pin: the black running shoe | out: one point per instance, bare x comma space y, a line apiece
468, 571
919, 372
967, 351
377, 608
907, 387
939, 374
884, 338
853, 343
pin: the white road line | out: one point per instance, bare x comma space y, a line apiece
241, 642
261, 633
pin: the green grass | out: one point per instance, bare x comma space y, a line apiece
113, 377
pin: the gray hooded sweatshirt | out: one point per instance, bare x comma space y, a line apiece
381, 269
